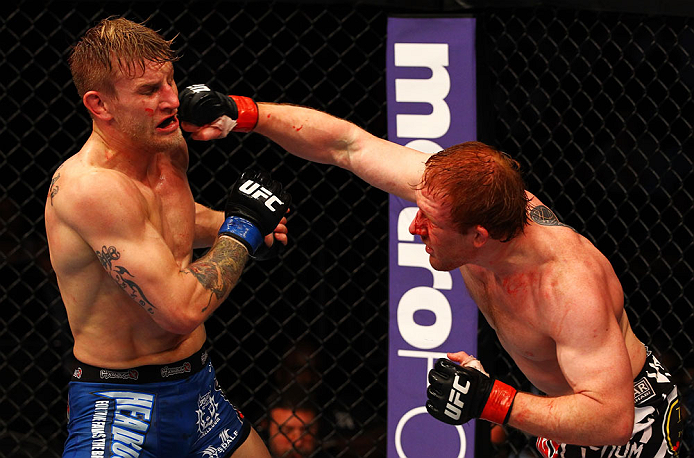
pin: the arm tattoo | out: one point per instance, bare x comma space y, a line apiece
121, 275
220, 268
543, 216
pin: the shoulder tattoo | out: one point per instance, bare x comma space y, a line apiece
124, 278
53, 190
544, 216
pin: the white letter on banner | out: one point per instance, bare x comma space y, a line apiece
424, 298
425, 146
418, 411
415, 255
432, 91
405, 217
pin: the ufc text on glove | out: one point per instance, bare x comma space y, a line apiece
255, 206
457, 394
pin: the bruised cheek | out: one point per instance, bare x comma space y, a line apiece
149, 111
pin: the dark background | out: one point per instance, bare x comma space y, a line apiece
593, 98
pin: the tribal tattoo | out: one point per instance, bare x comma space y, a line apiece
544, 216
53, 190
121, 275
220, 268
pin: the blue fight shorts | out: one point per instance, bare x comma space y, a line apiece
174, 410
658, 426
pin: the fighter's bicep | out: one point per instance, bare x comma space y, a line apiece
590, 347
116, 227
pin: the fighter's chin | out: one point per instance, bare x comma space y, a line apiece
173, 140
442, 265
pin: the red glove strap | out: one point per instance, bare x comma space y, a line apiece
499, 404
248, 113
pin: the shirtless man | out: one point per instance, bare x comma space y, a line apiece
553, 299
122, 224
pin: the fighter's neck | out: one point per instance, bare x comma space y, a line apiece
134, 160
505, 259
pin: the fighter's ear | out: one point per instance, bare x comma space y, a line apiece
96, 104
480, 236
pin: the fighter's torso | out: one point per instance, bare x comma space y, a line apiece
109, 327
522, 311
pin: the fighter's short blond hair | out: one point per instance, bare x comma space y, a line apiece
115, 44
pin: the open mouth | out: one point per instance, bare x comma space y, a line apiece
167, 122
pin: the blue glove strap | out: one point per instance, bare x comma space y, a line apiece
243, 229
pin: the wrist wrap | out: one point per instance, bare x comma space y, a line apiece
248, 113
497, 409
244, 231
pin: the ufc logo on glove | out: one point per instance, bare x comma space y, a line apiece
455, 404
478, 397
254, 209
256, 191
199, 88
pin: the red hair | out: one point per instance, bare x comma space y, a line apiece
484, 187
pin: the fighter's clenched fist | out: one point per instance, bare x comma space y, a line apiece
458, 394
201, 106
255, 206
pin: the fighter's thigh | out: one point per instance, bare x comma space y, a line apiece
253, 447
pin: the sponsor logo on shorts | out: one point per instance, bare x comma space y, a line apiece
208, 413
120, 423
132, 374
78, 373
182, 369
225, 440
203, 357
643, 391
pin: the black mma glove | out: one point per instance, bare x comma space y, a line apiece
200, 105
255, 206
458, 394
265, 252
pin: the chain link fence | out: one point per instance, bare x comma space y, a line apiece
596, 105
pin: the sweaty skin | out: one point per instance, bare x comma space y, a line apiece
122, 224
122, 219
553, 299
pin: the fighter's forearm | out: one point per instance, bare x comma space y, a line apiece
308, 133
207, 224
320, 137
573, 419
218, 271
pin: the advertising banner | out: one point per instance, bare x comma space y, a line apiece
431, 105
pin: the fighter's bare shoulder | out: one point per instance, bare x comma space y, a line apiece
84, 196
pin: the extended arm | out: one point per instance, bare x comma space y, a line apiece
309, 134
320, 137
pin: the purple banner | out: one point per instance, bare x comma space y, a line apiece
431, 105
